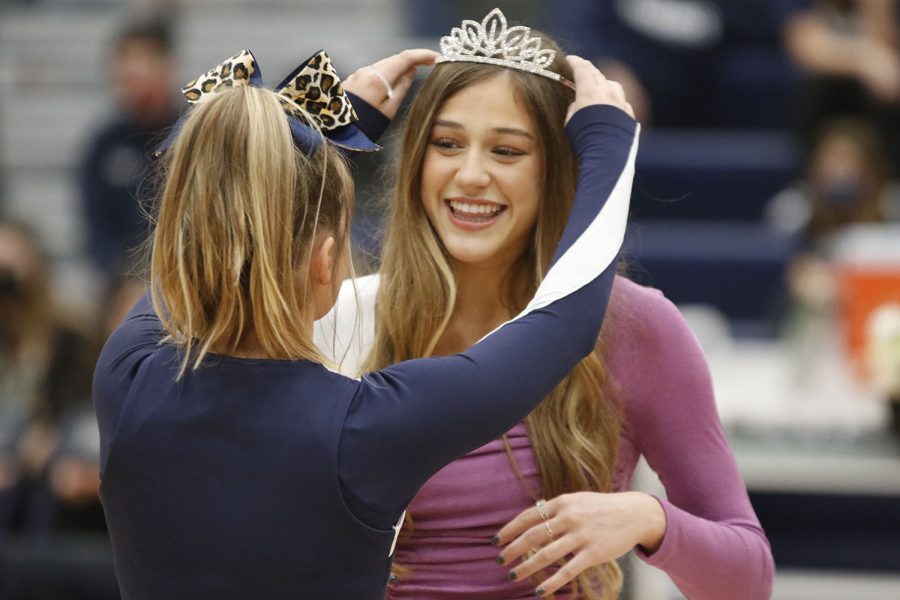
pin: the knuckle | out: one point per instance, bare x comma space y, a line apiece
540, 558
565, 500
567, 520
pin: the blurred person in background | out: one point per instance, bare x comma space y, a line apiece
847, 179
114, 177
848, 50
48, 445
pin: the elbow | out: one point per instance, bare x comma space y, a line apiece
590, 342
767, 581
759, 582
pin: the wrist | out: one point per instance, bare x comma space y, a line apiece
598, 124
653, 520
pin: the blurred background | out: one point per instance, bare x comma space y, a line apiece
765, 205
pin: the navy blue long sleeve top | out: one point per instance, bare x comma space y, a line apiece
282, 479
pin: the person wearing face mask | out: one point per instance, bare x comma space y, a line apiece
847, 180
44, 393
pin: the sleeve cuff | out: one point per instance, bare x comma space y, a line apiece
600, 113
669, 543
613, 121
372, 122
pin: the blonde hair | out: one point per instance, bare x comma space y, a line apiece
575, 431
239, 214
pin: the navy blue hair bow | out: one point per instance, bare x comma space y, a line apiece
312, 93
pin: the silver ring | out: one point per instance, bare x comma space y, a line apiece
390, 90
545, 515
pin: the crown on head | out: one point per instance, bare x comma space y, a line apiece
492, 42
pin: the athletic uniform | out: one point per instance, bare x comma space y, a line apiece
282, 479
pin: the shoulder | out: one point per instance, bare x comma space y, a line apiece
642, 316
137, 336
654, 359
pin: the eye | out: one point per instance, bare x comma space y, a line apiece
508, 152
445, 143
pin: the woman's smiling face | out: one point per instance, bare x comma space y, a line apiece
481, 179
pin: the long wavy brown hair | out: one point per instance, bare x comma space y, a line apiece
240, 211
575, 430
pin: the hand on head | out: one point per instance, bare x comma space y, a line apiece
592, 87
394, 74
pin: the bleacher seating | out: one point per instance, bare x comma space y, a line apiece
697, 231
711, 175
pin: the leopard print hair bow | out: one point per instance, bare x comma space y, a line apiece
311, 94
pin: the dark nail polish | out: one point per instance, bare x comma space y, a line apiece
500, 559
511, 576
540, 592
495, 540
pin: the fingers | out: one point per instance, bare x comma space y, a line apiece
564, 575
592, 87
396, 66
544, 557
404, 83
385, 83
583, 71
551, 550
535, 537
521, 523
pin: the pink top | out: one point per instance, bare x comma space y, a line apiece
714, 547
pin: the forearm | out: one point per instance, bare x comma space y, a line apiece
713, 546
372, 122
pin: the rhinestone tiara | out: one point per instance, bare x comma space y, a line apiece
493, 42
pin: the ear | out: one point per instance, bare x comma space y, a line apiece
322, 259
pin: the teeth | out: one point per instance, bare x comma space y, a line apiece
475, 209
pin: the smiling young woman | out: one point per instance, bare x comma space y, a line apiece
485, 177
481, 174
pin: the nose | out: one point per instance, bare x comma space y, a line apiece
472, 174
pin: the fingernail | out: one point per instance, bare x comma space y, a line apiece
511, 576
539, 592
495, 540
500, 559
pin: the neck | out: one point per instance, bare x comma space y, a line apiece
251, 347
481, 303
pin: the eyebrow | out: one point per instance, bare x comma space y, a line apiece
507, 130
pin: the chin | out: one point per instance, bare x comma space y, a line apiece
471, 253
